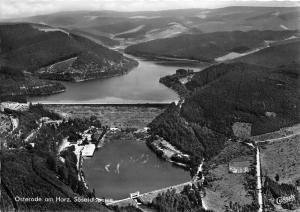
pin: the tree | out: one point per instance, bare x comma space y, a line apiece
51, 162
298, 182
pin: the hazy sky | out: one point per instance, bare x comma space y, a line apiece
21, 8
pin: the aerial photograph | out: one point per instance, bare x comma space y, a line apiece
150, 105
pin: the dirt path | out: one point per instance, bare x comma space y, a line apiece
279, 139
295, 131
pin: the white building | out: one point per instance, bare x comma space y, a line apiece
239, 167
88, 150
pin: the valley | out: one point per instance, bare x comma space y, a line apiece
141, 83
170, 111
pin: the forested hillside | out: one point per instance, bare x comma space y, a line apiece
282, 53
35, 171
31, 47
207, 46
31, 53
219, 96
244, 93
16, 84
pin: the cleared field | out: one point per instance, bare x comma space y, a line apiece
228, 187
282, 158
225, 187
122, 116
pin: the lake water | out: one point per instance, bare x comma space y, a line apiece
126, 166
140, 85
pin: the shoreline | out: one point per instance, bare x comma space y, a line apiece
48, 94
127, 64
102, 141
137, 58
78, 153
169, 153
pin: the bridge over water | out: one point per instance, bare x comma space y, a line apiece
149, 196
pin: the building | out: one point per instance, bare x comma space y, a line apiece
88, 150
239, 167
134, 195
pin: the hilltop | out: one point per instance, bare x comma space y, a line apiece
133, 27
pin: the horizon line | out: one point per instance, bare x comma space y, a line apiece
157, 10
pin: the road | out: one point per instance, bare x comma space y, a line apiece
279, 139
295, 130
259, 184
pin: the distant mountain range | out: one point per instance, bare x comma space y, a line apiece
132, 27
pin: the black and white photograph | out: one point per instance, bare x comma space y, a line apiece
150, 105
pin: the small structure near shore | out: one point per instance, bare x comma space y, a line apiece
88, 150
134, 195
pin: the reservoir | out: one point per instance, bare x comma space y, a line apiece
140, 85
125, 165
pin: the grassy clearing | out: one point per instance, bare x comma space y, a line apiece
224, 187
227, 187
282, 158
